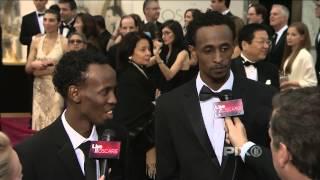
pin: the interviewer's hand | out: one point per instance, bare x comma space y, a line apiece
235, 132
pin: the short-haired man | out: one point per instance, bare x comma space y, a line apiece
295, 135
317, 40
68, 11
87, 84
32, 23
151, 10
190, 139
294, 132
257, 13
279, 17
254, 44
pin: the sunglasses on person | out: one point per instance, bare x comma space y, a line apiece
75, 41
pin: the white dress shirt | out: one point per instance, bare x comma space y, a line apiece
251, 71
280, 32
214, 126
77, 139
40, 21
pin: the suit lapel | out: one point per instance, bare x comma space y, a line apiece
194, 115
36, 22
260, 71
66, 152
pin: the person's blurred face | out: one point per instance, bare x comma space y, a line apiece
76, 43
253, 17
142, 52
294, 39
152, 11
214, 48
40, 4
188, 18
127, 25
50, 23
277, 19
217, 5
66, 12
97, 94
317, 8
15, 166
258, 48
78, 25
167, 36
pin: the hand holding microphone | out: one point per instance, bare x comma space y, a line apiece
235, 132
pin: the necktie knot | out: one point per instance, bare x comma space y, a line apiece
85, 147
247, 63
206, 93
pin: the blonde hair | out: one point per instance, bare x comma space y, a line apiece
5, 156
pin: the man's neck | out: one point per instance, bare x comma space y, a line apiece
78, 123
215, 84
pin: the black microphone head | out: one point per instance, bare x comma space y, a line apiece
107, 135
226, 95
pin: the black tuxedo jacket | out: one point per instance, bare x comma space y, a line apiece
29, 27
266, 71
276, 53
183, 147
49, 154
317, 44
70, 27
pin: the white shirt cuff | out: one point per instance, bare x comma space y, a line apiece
245, 148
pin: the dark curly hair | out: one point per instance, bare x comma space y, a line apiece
72, 67
210, 18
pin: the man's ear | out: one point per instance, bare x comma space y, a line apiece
74, 94
284, 155
244, 45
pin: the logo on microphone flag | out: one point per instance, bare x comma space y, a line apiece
105, 149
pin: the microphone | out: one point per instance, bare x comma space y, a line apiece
105, 149
106, 136
228, 107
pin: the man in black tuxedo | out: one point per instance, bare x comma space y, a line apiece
317, 41
151, 10
254, 43
190, 141
32, 23
68, 12
279, 17
87, 83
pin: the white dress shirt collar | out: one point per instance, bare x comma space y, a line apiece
227, 85
76, 138
280, 32
251, 71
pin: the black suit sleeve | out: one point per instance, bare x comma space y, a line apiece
167, 163
259, 159
25, 37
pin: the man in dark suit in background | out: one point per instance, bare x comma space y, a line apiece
279, 17
32, 23
317, 40
68, 12
151, 10
254, 43
190, 140
87, 83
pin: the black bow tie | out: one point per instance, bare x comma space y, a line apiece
247, 63
40, 14
206, 93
